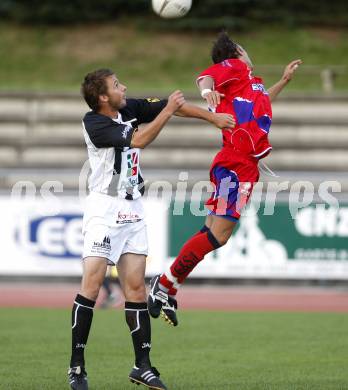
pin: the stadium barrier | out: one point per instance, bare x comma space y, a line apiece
43, 238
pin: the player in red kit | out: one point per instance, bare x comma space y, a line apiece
228, 86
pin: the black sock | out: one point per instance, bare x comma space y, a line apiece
204, 229
138, 320
81, 320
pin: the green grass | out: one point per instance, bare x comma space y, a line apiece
208, 351
57, 58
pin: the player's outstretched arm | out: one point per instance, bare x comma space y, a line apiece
221, 121
287, 76
147, 134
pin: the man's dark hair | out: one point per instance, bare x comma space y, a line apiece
94, 85
224, 48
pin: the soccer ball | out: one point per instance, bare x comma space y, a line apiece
171, 8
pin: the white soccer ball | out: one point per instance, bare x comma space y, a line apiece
171, 8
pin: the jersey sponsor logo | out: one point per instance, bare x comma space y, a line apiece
146, 345
259, 87
133, 165
130, 173
58, 236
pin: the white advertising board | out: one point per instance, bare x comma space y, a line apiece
45, 238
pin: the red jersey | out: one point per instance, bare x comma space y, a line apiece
247, 100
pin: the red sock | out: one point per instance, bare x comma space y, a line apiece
168, 285
192, 253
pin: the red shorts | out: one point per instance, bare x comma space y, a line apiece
233, 175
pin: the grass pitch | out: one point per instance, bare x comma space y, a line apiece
57, 58
209, 350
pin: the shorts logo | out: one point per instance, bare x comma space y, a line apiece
102, 247
245, 188
127, 218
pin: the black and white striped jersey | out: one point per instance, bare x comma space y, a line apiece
114, 164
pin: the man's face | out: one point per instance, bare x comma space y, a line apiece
243, 56
116, 93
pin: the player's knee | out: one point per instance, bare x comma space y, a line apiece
90, 288
90, 292
222, 233
135, 293
223, 236
222, 239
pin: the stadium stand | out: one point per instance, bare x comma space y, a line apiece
41, 139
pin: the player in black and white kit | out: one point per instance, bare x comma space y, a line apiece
113, 226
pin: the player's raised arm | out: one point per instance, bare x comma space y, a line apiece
287, 76
146, 135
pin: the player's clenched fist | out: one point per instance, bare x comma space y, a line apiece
175, 101
223, 121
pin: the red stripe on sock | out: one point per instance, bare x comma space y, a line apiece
172, 291
165, 282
